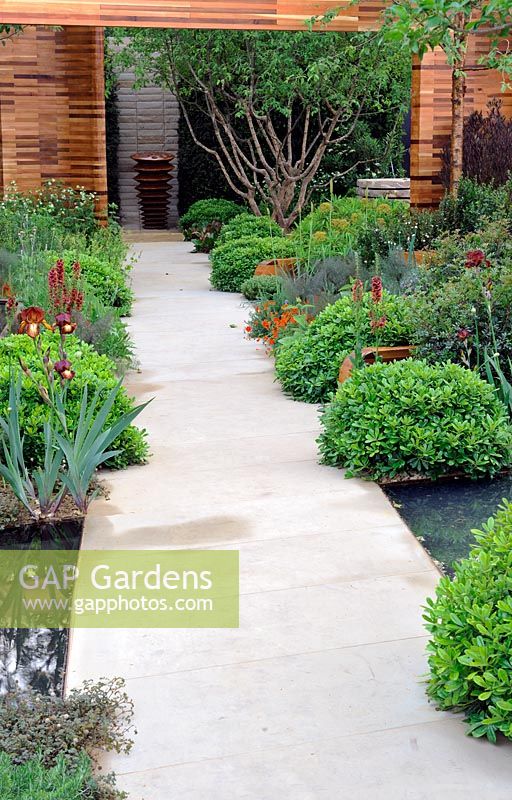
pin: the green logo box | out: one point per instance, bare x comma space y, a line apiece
119, 589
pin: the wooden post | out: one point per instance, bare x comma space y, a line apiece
52, 110
431, 114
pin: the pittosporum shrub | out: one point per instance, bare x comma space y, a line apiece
260, 287
470, 622
205, 212
307, 364
92, 369
58, 731
248, 225
235, 262
109, 283
410, 417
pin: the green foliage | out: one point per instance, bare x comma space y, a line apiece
87, 446
34, 781
374, 150
57, 732
451, 308
235, 262
420, 25
307, 365
411, 417
109, 282
475, 204
470, 622
37, 490
94, 370
265, 88
260, 287
199, 174
351, 224
54, 209
248, 225
204, 212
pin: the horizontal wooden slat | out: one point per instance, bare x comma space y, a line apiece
270, 14
52, 109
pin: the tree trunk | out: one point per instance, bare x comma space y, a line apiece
458, 93
457, 133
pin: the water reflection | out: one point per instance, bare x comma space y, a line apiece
33, 659
443, 514
36, 658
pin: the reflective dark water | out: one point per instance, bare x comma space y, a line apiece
36, 658
442, 515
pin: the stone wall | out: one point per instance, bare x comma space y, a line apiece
148, 120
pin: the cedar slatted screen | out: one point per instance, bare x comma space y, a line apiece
284, 14
51, 92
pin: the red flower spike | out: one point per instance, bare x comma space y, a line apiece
357, 291
376, 289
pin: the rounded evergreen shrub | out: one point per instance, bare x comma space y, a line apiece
260, 287
248, 225
410, 417
307, 365
470, 621
92, 369
235, 262
204, 212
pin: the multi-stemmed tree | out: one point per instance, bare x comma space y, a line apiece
276, 100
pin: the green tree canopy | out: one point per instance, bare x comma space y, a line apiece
276, 100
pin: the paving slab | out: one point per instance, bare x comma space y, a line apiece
318, 694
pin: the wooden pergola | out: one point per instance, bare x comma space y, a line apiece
52, 108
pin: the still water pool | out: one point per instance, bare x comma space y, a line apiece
443, 514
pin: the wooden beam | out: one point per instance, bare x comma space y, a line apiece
255, 14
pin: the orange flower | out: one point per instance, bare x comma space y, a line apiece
31, 320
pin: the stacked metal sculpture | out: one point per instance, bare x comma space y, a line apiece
153, 173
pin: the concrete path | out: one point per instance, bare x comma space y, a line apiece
317, 695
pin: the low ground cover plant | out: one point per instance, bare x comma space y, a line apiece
55, 740
410, 417
34, 781
470, 623
235, 262
307, 365
271, 320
